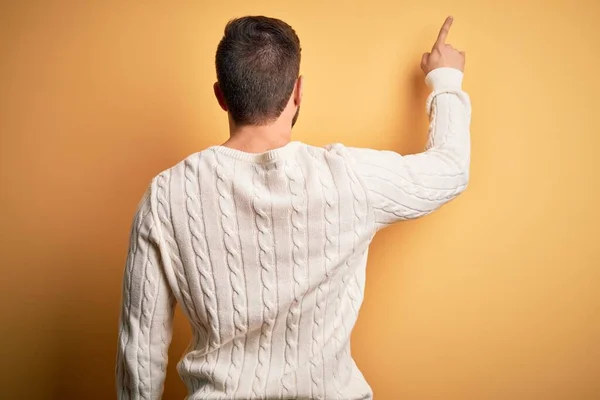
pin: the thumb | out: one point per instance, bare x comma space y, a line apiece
424, 58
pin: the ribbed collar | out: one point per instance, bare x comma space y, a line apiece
260, 158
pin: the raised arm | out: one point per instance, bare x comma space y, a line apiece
405, 187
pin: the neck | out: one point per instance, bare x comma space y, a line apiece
259, 139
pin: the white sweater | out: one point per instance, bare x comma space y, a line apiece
266, 254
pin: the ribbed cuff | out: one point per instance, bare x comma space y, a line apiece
442, 79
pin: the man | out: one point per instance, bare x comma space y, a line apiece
263, 241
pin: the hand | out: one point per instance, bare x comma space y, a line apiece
442, 54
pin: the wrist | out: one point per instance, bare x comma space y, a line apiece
444, 78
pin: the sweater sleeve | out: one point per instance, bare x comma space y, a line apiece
145, 327
407, 187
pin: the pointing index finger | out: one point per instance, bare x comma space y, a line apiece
441, 39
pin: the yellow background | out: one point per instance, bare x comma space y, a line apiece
494, 297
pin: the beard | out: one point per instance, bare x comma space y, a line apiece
295, 116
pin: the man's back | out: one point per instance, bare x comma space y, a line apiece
266, 251
267, 256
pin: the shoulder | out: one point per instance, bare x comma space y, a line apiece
186, 169
350, 154
189, 164
164, 186
329, 150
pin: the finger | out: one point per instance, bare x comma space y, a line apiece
424, 58
441, 39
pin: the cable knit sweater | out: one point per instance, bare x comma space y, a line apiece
266, 254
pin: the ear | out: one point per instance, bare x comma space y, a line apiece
298, 91
219, 96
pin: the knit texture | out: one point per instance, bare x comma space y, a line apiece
266, 254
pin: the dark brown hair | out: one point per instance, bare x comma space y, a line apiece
258, 62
